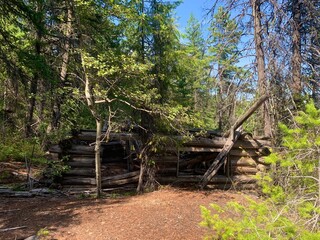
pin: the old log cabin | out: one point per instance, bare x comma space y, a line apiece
179, 162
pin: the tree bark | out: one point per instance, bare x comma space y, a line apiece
296, 55
262, 80
56, 111
91, 105
98, 158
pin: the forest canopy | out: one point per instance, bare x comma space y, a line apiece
138, 68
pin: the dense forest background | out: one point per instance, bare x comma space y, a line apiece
125, 62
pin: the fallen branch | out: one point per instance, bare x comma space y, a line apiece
11, 229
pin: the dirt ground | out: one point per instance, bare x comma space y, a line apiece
164, 214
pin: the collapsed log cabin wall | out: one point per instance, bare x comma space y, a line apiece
183, 164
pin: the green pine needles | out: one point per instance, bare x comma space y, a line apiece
291, 206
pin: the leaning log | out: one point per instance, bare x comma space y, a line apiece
247, 114
220, 159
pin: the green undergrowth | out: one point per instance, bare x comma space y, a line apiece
289, 207
16, 148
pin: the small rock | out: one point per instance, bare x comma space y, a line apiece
32, 238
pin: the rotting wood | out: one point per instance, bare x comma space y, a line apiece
220, 159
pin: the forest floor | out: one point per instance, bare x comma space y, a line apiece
168, 213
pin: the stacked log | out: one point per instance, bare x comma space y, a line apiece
192, 159
184, 164
78, 154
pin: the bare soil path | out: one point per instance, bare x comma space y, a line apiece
165, 214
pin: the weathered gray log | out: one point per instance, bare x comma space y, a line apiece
235, 151
167, 171
55, 149
54, 156
219, 142
243, 170
220, 159
109, 183
240, 179
12, 228
193, 161
91, 136
165, 158
78, 181
231, 186
248, 113
80, 164
84, 159
121, 176
90, 172
242, 161
263, 167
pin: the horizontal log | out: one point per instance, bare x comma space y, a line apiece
246, 186
233, 152
66, 186
109, 183
167, 171
219, 142
263, 168
55, 149
90, 172
243, 170
261, 160
242, 161
53, 156
91, 136
121, 176
81, 164
245, 152
78, 181
165, 158
75, 158
215, 180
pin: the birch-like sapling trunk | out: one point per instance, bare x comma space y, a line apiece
93, 110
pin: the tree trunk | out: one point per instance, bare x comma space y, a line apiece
93, 110
33, 89
296, 55
262, 80
97, 157
56, 111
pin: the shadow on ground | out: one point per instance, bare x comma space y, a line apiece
39, 213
